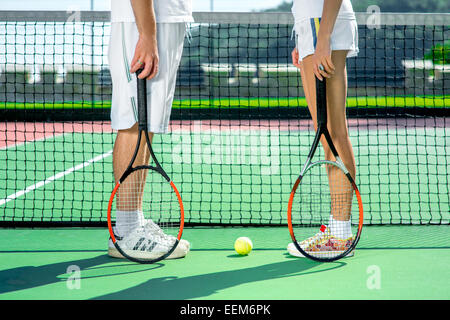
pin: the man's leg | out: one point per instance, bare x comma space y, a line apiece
129, 197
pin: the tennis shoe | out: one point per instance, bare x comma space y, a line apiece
148, 242
322, 243
154, 228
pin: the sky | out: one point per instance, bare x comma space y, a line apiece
198, 5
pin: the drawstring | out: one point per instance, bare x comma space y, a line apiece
188, 33
294, 33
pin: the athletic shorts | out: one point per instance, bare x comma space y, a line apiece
160, 89
343, 37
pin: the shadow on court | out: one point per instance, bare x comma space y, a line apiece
198, 286
29, 277
162, 288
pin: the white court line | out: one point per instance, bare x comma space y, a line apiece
53, 178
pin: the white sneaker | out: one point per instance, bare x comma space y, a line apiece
148, 242
157, 230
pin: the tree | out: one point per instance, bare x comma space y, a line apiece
440, 53
425, 6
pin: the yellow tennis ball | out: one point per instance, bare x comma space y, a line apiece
243, 246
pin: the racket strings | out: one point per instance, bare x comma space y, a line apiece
147, 191
322, 210
341, 193
324, 193
129, 196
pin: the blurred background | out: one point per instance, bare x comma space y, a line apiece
233, 5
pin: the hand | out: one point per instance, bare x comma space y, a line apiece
322, 64
146, 56
295, 56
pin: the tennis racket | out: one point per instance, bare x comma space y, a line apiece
325, 211
146, 188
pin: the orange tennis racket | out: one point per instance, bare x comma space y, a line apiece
325, 211
147, 188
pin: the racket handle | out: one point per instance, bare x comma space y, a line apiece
142, 101
321, 103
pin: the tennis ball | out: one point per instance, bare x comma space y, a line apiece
243, 246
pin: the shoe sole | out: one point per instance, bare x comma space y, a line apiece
296, 253
178, 253
114, 253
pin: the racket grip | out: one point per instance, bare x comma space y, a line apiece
142, 101
321, 103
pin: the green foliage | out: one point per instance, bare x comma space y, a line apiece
440, 53
427, 6
283, 7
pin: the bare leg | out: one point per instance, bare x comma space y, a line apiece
129, 197
340, 189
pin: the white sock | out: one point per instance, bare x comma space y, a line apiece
127, 221
340, 229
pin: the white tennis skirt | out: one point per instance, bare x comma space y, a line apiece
160, 89
343, 37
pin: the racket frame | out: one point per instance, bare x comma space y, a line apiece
143, 130
321, 109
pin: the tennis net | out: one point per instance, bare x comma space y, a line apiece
240, 128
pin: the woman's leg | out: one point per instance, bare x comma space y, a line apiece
340, 189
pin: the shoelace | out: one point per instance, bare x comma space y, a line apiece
144, 232
153, 227
157, 233
314, 239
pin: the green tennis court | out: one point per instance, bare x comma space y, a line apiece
392, 262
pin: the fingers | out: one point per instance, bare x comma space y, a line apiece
327, 66
295, 57
317, 71
136, 63
330, 64
153, 70
323, 68
145, 58
149, 66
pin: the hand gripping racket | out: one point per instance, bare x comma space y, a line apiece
325, 211
146, 188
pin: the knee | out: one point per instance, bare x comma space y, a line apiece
339, 136
131, 130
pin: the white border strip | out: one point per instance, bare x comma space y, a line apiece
282, 18
53, 178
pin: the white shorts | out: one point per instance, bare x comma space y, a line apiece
160, 89
343, 37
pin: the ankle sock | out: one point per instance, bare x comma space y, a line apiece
340, 229
127, 221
